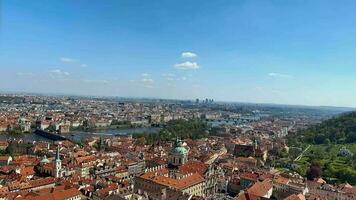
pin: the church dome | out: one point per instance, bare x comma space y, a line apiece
45, 160
178, 148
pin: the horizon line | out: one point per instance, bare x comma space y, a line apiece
170, 99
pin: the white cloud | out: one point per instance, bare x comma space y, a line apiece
96, 81
279, 75
188, 54
57, 73
68, 60
147, 80
145, 74
187, 65
173, 77
169, 75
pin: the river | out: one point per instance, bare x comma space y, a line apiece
80, 135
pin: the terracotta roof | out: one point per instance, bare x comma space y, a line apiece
295, 197
349, 190
85, 159
281, 180
27, 171
105, 191
161, 177
194, 167
249, 176
43, 181
4, 191
57, 193
261, 188
247, 196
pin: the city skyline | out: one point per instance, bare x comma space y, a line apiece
297, 53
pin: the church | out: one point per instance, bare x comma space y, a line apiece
53, 168
180, 176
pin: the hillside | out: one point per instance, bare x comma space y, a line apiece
332, 146
338, 130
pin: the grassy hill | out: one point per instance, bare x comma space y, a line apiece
328, 140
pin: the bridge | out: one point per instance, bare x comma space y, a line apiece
48, 135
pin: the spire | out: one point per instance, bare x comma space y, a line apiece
57, 153
57, 164
255, 144
178, 142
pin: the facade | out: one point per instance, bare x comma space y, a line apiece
136, 167
83, 171
64, 128
284, 187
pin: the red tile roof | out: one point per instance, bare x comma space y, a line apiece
160, 177
295, 197
57, 193
261, 188
194, 167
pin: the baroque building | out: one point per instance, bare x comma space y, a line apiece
188, 177
53, 168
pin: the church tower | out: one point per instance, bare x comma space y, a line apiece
57, 164
179, 154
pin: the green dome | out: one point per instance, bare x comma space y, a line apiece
45, 160
178, 148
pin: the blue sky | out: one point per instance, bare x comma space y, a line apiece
277, 51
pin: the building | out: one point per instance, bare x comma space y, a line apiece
251, 150
53, 168
64, 128
284, 187
192, 178
55, 193
57, 165
178, 155
260, 190
5, 160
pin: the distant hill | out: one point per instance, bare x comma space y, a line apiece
340, 130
